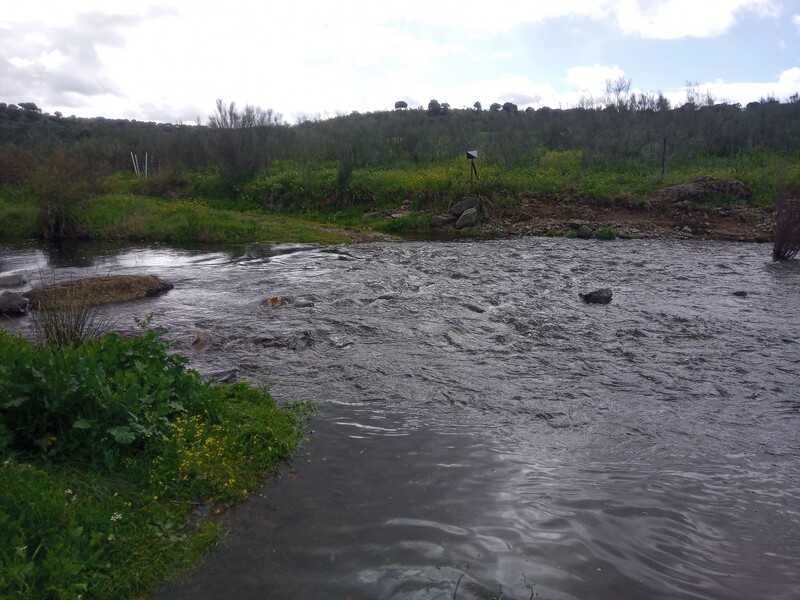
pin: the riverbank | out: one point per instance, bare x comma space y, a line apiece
676, 220
115, 461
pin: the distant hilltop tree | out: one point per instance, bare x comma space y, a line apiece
510, 107
228, 116
495, 106
477, 106
400, 105
434, 108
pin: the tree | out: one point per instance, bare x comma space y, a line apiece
618, 89
477, 106
495, 107
240, 138
434, 108
400, 105
510, 107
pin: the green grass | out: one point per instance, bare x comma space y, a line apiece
299, 201
105, 448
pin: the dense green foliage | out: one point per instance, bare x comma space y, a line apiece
215, 183
105, 446
246, 141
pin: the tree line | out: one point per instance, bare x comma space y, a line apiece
243, 141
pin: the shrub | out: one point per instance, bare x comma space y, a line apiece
104, 449
97, 402
16, 165
787, 229
605, 233
66, 317
61, 186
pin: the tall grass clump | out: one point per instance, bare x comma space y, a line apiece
105, 448
66, 316
786, 244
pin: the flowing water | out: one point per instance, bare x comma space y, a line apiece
481, 427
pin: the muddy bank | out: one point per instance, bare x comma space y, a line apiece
671, 220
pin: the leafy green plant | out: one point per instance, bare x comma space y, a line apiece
104, 448
605, 233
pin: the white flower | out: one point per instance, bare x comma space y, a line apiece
116, 517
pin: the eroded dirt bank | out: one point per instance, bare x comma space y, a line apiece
665, 220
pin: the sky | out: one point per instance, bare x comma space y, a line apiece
168, 61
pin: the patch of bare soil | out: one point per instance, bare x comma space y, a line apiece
97, 290
705, 208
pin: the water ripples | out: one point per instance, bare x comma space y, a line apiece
481, 421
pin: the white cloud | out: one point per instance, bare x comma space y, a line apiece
593, 79
106, 57
796, 21
674, 19
744, 92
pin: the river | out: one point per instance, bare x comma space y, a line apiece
481, 428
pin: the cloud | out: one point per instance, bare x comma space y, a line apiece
675, 19
593, 79
796, 21
744, 92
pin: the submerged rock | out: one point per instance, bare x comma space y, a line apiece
601, 296
584, 232
740, 293
13, 304
274, 302
201, 341
13, 279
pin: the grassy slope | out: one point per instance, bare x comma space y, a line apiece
302, 202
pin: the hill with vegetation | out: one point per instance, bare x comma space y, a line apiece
394, 170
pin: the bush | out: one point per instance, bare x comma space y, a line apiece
99, 401
605, 233
104, 449
61, 186
787, 229
16, 165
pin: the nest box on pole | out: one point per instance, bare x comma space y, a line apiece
473, 172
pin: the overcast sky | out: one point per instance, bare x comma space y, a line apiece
169, 60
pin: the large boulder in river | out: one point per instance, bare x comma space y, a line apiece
13, 304
467, 218
460, 207
97, 290
601, 296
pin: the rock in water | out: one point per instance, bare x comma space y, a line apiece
601, 296
13, 280
467, 218
201, 341
12, 303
